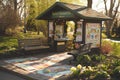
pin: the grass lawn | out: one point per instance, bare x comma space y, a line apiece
8, 44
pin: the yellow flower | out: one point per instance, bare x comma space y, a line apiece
79, 66
73, 69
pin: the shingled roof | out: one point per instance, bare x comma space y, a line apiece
77, 11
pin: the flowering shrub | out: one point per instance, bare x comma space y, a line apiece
89, 73
106, 47
82, 72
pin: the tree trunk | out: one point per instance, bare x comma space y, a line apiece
15, 6
89, 4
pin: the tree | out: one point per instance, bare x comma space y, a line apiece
31, 14
10, 14
111, 12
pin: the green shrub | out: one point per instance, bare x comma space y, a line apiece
8, 44
84, 60
102, 67
102, 75
116, 73
87, 75
98, 58
116, 63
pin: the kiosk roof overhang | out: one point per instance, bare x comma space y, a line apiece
61, 10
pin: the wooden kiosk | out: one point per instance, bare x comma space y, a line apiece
88, 24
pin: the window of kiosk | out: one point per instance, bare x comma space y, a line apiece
59, 31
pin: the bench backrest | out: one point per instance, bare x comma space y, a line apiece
32, 42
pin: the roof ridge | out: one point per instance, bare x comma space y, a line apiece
69, 3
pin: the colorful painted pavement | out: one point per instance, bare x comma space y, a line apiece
48, 66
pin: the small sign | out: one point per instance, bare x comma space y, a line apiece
62, 14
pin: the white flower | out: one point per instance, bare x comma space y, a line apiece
84, 68
90, 68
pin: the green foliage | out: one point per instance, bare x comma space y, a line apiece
11, 43
104, 36
102, 75
87, 74
116, 63
103, 67
111, 47
84, 60
116, 49
116, 73
69, 45
98, 58
7, 44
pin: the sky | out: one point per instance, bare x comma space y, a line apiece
98, 4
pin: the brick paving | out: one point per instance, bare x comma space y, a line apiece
47, 66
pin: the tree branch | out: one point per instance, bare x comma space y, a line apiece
111, 7
105, 7
116, 10
114, 3
1, 2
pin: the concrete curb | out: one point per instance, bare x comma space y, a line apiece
17, 74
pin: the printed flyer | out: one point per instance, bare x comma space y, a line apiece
51, 29
93, 34
79, 31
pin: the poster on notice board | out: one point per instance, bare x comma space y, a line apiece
93, 34
79, 32
51, 29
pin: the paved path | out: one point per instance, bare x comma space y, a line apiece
34, 67
9, 76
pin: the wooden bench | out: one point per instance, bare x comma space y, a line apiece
86, 48
32, 44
